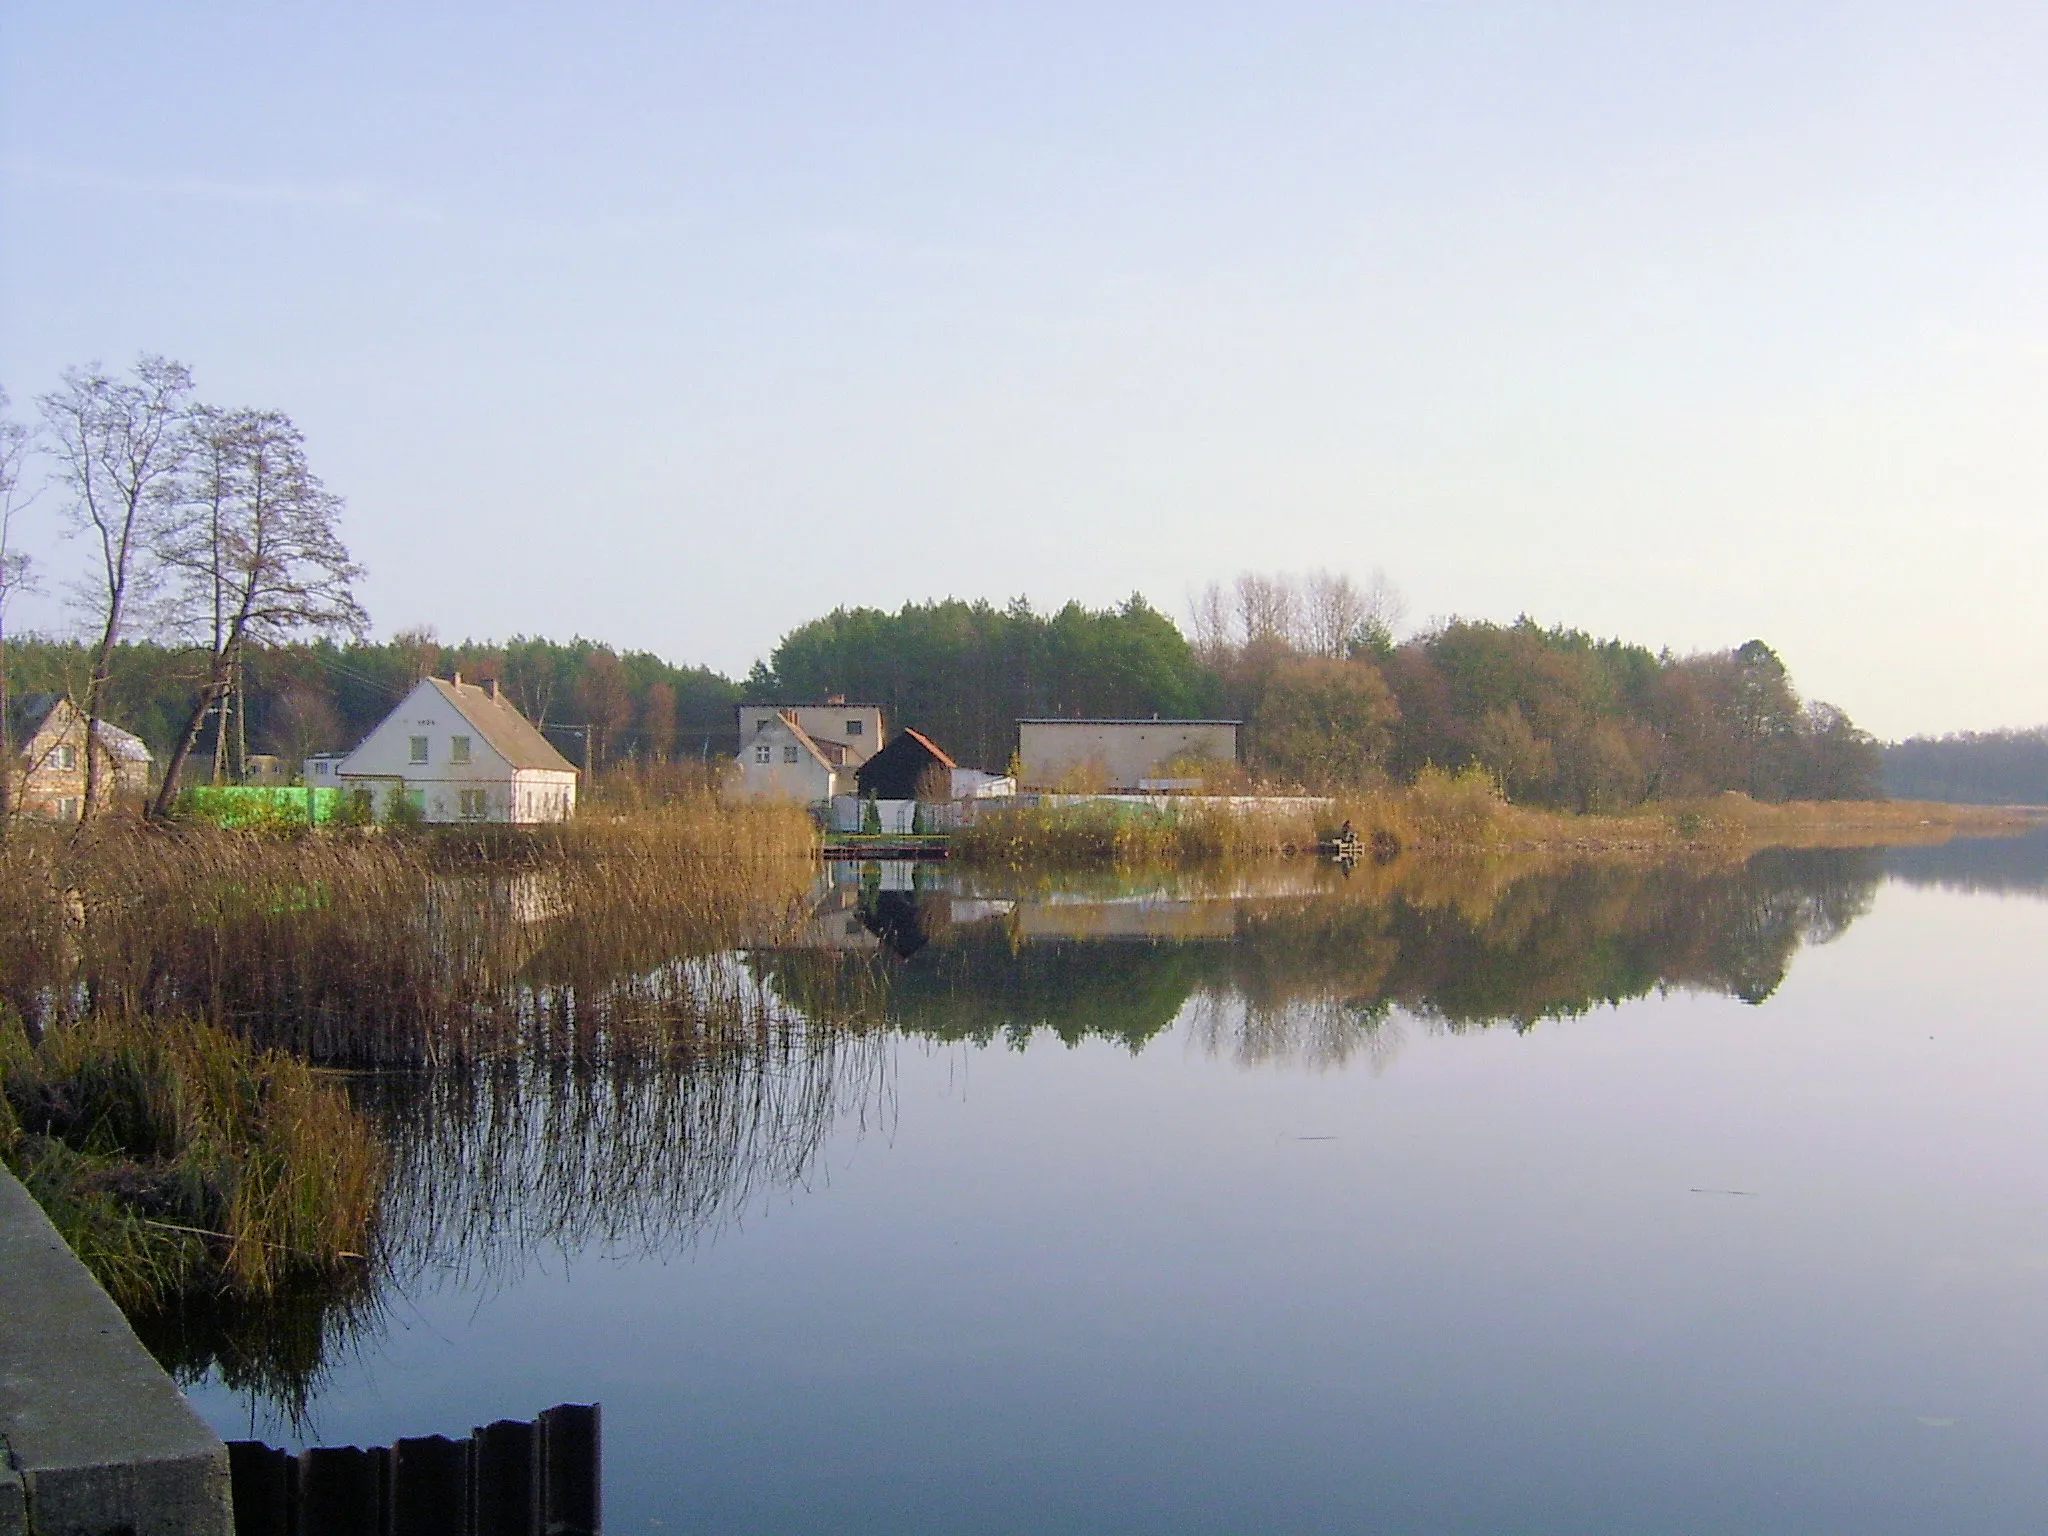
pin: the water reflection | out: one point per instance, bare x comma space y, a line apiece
2004, 866
1304, 961
652, 1139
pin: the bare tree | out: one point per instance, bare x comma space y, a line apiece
1268, 609
1324, 613
658, 722
1332, 612
304, 722
530, 677
258, 558
1214, 624
120, 445
605, 694
17, 574
1341, 619
421, 648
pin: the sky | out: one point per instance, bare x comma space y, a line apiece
677, 325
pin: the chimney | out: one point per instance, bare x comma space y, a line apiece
491, 687
836, 698
458, 679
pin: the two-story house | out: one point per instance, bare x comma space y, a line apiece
460, 752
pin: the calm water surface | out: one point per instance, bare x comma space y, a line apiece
1624, 1201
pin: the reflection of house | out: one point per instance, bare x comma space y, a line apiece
1121, 754
459, 752
48, 776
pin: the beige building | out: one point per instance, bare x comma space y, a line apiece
1128, 755
47, 777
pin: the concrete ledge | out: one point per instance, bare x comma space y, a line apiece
99, 1440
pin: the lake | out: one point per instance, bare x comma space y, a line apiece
1502, 1198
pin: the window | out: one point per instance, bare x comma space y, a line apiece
67, 808
761, 725
320, 770
853, 727
764, 753
458, 749
67, 758
473, 804
419, 750
789, 754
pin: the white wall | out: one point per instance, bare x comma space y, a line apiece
791, 772
438, 785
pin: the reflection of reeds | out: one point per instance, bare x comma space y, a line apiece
494, 1167
383, 948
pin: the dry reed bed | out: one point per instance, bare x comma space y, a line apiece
377, 948
1454, 814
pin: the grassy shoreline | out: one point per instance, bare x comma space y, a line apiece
1456, 815
179, 1161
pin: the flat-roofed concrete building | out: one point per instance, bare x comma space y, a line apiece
1128, 755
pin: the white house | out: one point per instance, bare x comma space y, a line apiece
778, 759
460, 752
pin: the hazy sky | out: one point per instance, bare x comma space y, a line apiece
677, 325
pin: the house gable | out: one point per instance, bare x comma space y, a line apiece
426, 715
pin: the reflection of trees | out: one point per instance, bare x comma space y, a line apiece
1317, 976
2005, 865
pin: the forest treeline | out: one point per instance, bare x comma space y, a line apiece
1330, 699
1971, 768
1558, 717
324, 696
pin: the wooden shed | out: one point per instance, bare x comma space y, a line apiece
893, 773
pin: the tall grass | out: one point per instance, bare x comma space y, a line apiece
1441, 810
377, 947
1440, 813
176, 1158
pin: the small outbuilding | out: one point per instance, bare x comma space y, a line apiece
911, 760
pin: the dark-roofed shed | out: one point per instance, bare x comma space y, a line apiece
893, 773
